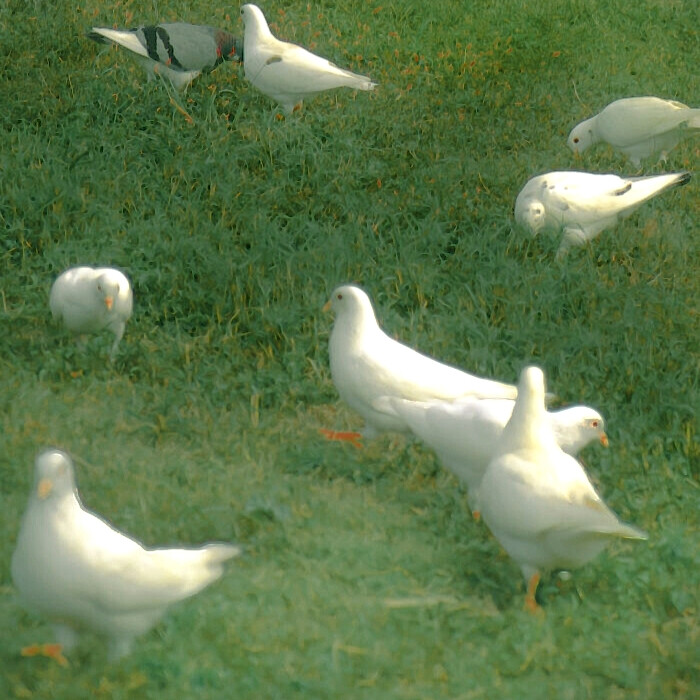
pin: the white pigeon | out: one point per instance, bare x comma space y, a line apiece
639, 127
178, 51
538, 501
74, 568
286, 72
367, 364
89, 300
465, 433
584, 204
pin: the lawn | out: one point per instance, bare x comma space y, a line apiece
364, 575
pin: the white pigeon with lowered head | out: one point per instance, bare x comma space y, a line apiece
89, 300
584, 204
286, 72
538, 501
367, 364
178, 51
639, 127
465, 433
79, 572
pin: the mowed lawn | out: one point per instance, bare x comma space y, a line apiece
364, 574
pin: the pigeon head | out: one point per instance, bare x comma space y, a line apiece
53, 474
577, 427
254, 22
350, 301
107, 285
582, 136
531, 213
229, 47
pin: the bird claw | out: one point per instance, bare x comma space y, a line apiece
531, 604
353, 438
50, 651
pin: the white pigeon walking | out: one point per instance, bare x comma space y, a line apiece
367, 364
584, 204
286, 72
465, 434
89, 300
538, 501
639, 127
78, 571
178, 51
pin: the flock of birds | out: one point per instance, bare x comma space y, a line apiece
580, 204
516, 458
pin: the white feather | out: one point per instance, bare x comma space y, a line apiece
639, 127
367, 364
537, 500
81, 573
89, 300
286, 72
465, 433
584, 204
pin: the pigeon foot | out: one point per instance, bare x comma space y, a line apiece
50, 651
355, 439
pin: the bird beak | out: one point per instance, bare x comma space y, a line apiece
604, 440
326, 307
109, 301
44, 488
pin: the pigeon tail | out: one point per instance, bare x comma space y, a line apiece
645, 187
126, 38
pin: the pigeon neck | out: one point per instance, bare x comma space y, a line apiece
258, 29
529, 424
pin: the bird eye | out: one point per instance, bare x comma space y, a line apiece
594, 423
339, 296
576, 140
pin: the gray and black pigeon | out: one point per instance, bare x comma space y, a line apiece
177, 51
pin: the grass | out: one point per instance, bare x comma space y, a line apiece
364, 575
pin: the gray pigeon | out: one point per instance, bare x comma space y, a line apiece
177, 51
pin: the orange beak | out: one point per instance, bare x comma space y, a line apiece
44, 488
326, 307
109, 302
604, 440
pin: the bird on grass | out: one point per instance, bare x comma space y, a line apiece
639, 127
78, 571
177, 51
89, 300
367, 364
286, 72
465, 433
584, 204
538, 501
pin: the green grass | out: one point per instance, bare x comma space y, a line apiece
364, 575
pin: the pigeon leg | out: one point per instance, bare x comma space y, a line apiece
530, 602
51, 651
353, 438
